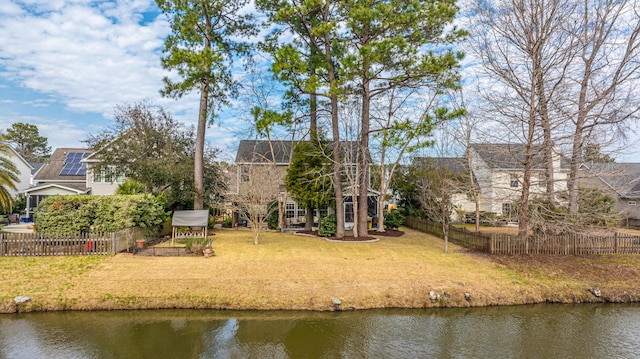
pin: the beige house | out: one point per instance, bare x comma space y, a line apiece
254, 156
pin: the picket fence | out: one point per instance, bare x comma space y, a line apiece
569, 244
48, 244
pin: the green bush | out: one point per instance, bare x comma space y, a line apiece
328, 226
227, 223
65, 214
272, 218
76, 214
393, 220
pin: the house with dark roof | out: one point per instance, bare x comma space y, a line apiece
619, 180
499, 172
62, 174
254, 154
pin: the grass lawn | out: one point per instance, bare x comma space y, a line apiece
294, 272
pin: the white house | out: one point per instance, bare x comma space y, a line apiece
498, 171
23, 167
101, 180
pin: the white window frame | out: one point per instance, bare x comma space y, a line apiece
107, 175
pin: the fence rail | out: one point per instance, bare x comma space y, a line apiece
46, 244
571, 244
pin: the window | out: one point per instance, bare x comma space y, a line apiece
244, 174
290, 210
301, 212
632, 203
107, 174
506, 209
514, 183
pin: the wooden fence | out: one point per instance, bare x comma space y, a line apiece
45, 244
570, 244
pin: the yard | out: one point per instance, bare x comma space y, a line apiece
295, 272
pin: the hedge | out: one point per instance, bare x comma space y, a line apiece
78, 214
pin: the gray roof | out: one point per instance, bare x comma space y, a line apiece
511, 156
453, 164
259, 151
50, 171
624, 178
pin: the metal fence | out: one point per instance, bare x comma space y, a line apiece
48, 244
569, 244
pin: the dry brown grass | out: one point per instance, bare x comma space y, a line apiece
288, 272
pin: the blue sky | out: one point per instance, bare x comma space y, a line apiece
66, 64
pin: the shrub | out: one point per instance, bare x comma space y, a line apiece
328, 226
272, 218
76, 214
227, 223
196, 245
393, 220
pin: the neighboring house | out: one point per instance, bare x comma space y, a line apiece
619, 180
62, 174
101, 180
454, 166
253, 155
24, 169
498, 170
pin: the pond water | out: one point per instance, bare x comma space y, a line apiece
540, 331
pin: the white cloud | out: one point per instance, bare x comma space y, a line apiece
89, 55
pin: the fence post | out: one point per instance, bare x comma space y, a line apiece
615, 242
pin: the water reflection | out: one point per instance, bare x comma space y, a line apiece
543, 331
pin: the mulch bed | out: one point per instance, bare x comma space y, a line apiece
373, 234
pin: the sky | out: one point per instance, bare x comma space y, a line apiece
66, 64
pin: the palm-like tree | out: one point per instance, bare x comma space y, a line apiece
8, 179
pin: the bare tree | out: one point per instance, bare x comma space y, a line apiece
440, 180
254, 201
601, 91
462, 132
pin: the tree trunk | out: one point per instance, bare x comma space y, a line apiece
363, 161
308, 224
198, 163
547, 141
337, 174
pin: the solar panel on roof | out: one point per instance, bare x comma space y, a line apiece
72, 164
